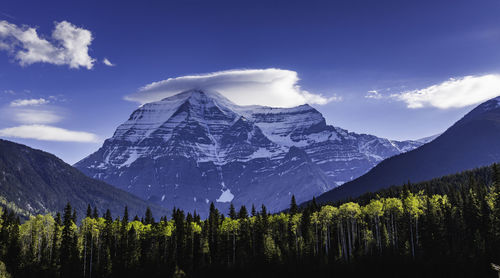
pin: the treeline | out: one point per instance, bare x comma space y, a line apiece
404, 232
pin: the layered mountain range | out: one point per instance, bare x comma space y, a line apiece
197, 147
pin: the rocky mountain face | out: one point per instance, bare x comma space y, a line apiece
34, 182
470, 143
197, 147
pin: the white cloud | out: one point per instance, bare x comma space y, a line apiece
35, 116
28, 102
48, 133
69, 46
373, 94
4, 46
270, 87
453, 93
107, 62
32, 111
319, 99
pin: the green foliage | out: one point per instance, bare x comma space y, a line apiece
3, 271
417, 226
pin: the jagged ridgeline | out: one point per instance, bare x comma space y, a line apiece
197, 147
447, 227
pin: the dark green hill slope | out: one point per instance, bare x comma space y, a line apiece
473, 141
39, 182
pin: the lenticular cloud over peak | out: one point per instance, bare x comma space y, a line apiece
268, 87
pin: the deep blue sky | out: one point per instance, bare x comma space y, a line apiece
337, 47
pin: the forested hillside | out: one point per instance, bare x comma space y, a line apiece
33, 181
448, 227
470, 143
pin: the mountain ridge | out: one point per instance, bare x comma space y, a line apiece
469, 143
40, 182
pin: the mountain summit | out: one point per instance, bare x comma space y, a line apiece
198, 147
471, 142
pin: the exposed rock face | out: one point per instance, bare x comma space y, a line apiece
198, 147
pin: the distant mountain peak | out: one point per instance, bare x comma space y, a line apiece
196, 145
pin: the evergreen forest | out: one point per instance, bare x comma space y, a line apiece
446, 227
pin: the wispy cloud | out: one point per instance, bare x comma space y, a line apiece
107, 62
48, 133
69, 45
373, 94
453, 93
270, 87
319, 99
35, 116
28, 102
32, 111
4, 46
8, 15
33, 119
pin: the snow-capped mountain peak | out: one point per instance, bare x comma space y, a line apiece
198, 145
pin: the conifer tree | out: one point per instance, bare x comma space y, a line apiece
213, 225
180, 235
89, 211
314, 205
122, 256
74, 216
95, 213
125, 217
149, 217
55, 253
495, 212
243, 213
108, 217
293, 206
232, 211
69, 255
14, 248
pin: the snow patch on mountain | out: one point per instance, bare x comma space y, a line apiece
225, 197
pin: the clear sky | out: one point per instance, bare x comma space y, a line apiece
396, 69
